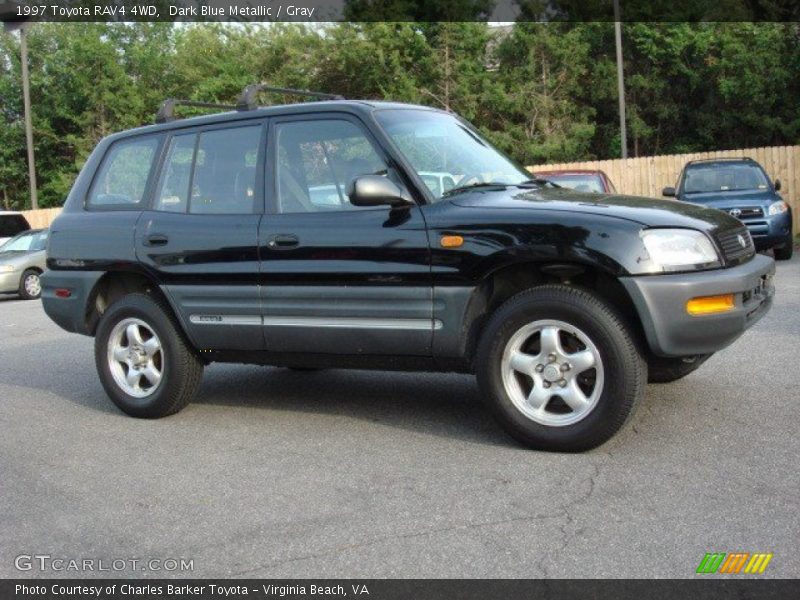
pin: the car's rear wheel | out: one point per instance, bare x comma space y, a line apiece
559, 368
30, 285
786, 251
667, 370
145, 365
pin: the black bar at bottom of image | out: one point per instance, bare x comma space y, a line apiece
396, 589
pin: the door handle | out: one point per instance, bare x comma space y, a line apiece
283, 241
156, 239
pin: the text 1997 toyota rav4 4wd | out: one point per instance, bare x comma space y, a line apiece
304, 236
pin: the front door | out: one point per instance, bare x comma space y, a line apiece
339, 278
201, 235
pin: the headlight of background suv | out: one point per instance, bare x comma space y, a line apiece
6, 268
777, 208
679, 249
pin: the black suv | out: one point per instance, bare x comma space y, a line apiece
305, 236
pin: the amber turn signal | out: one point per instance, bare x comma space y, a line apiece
452, 241
709, 305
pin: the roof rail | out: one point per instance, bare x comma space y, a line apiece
247, 99
166, 112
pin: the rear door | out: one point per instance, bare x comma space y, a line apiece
200, 235
339, 278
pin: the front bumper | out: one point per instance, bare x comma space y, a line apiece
9, 282
671, 331
768, 232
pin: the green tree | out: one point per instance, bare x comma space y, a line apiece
534, 112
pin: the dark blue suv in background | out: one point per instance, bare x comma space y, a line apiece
741, 187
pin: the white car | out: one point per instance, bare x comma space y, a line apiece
438, 183
22, 261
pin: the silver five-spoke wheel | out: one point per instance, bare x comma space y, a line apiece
552, 372
135, 357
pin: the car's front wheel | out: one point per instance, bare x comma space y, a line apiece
30, 285
559, 368
145, 365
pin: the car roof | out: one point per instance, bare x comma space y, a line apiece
29, 232
352, 106
571, 172
717, 162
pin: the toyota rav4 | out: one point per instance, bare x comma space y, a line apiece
311, 235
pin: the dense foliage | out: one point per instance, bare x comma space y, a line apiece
542, 92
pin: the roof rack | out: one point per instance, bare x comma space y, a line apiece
166, 112
247, 99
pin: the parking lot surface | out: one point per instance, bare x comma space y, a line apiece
279, 473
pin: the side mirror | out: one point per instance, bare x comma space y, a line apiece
669, 192
777, 185
374, 190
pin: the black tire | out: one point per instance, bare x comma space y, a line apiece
786, 251
625, 369
23, 285
667, 370
181, 369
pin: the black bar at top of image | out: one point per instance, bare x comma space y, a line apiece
400, 589
311, 11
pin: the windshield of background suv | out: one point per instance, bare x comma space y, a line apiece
723, 178
447, 153
579, 183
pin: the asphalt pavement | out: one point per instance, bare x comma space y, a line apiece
279, 473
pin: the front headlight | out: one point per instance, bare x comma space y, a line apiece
6, 268
676, 249
777, 208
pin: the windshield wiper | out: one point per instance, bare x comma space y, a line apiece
538, 181
472, 186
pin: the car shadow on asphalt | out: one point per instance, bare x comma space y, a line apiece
445, 405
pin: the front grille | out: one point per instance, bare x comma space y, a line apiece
731, 244
745, 212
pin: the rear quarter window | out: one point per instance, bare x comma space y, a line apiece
121, 181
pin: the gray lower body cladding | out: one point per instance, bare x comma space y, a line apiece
671, 331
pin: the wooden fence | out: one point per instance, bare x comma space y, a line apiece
41, 218
648, 175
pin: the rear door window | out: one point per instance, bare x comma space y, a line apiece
122, 179
224, 175
173, 187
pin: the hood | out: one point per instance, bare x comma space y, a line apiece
733, 199
649, 212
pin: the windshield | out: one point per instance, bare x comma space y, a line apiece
26, 242
445, 152
724, 178
579, 183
